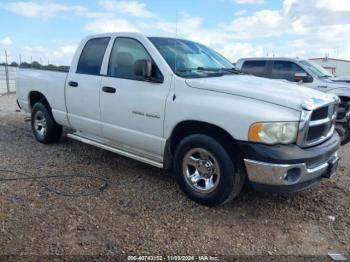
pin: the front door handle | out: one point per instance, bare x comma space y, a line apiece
72, 84
108, 89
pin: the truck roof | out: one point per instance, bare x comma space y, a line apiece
129, 34
240, 61
270, 58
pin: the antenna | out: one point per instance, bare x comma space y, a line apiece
175, 67
176, 43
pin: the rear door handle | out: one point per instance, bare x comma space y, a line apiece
72, 84
108, 89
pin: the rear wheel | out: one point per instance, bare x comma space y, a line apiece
44, 126
206, 172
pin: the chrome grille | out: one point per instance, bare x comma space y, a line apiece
317, 122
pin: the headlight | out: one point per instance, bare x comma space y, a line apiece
274, 132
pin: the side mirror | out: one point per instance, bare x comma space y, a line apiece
143, 68
300, 77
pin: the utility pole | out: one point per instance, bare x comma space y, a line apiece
7, 73
20, 59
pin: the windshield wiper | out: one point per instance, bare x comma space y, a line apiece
208, 71
325, 76
231, 70
215, 70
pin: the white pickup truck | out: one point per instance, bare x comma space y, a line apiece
177, 104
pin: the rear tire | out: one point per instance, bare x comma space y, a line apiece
44, 126
206, 172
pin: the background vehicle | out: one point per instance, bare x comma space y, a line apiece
177, 104
306, 73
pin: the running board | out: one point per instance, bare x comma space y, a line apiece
115, 150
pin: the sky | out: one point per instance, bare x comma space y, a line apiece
49, 31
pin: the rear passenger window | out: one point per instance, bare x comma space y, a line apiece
285, 70
92, 55
256, 68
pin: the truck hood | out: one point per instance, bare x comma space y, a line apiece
271, 91
335, 83
340, 80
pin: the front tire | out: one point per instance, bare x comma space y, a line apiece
206, 172
44, 126
343, 125
344, 133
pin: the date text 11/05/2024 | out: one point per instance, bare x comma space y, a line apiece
172, 258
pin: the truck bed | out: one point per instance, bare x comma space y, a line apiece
50, 83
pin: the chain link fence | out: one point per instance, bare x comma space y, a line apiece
7, 79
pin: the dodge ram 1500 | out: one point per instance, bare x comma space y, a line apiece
178, 104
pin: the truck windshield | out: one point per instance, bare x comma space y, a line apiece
192, 60
316, 69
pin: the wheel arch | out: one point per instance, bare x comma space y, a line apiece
189, 127
344, 98
36, 96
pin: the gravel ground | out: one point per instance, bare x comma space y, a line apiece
143, 211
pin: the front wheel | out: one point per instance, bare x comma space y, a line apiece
206, 172
344, 133
343, 121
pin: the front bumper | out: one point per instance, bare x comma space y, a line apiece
288, 167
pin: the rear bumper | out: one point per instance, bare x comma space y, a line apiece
287, 168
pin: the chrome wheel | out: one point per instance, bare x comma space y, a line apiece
40, 123
201, 170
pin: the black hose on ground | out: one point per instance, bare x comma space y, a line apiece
21, 176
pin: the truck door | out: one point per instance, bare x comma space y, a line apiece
132, 108
82, 87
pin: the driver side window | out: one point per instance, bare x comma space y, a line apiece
125, 53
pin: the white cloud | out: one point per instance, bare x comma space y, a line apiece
193, 28
45, 10
264, 23
317, 27
133, 8
241, 13
34, 49
61, 55
334, 5
6, 41
106, 25
235, 51
249, 1
299, 28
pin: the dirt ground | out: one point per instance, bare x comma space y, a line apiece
143, 212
